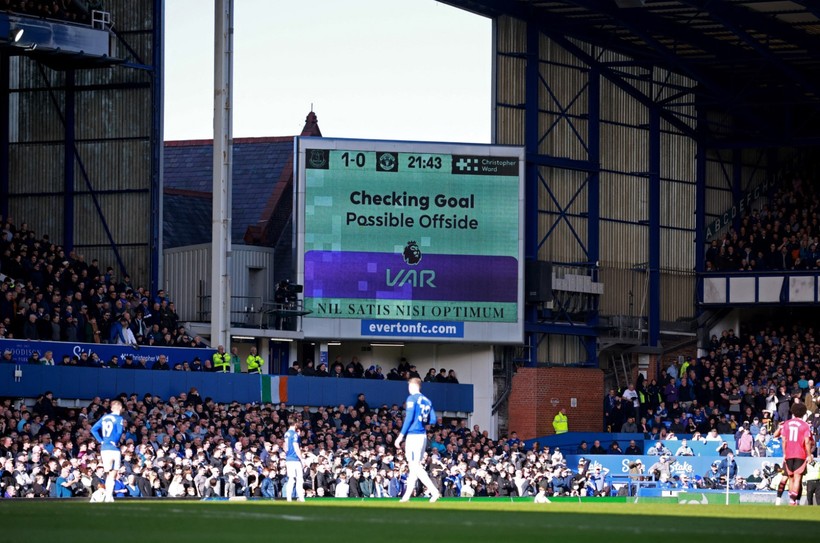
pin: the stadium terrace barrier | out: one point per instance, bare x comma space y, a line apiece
86, 383
682, 465
568, 442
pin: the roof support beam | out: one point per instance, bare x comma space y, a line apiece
729, 22
557, 36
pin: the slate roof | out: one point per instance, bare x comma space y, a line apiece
257, 167
262, 189
186, 218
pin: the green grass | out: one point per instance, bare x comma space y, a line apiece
380, 521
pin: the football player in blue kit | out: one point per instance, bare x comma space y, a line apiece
108, 431
419, 413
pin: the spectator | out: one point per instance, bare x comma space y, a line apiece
255, 362
633, 449
560, 422
684, 449
659, 449
597, 448
161, 363
629, 427
728, 466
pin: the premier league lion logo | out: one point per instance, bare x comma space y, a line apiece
412, 253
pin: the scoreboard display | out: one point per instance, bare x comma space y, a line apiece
410, 240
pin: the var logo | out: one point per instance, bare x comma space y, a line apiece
414, 278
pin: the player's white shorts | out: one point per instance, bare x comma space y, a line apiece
294, 470
414, 447
111, 459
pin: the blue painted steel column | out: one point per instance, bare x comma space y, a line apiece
68, 162
531, 137
654, 225
593, 198
4, 134
700, 204
157, 143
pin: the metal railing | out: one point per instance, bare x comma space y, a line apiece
254, 312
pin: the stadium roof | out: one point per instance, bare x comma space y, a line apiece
751, 58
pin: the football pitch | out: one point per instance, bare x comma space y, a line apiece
378, 521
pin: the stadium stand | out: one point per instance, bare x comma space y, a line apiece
206, 449
189, 446
74, 11
778, 236
749, 379
50, 295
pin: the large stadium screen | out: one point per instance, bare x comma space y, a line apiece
410, 240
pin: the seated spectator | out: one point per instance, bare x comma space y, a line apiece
597, 448
161, 363
659, 449
684, 449
633, 449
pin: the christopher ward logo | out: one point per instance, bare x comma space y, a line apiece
484, 165
413, 277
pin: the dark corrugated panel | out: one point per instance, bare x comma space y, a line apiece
257, 169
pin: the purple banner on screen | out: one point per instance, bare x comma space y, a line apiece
458, 278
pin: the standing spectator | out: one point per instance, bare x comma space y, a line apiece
236, 363
221, 360
633, 404
560, 422
30, 328
254, 362
744, 442
728, 467
812, 478
782, 398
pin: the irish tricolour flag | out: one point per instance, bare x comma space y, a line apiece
274, 389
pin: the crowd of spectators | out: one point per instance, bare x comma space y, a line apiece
50, 295
744, 386
356, 370
189, 446
783, 235
75, 11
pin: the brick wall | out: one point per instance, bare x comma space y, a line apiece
685, 350
534, 389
